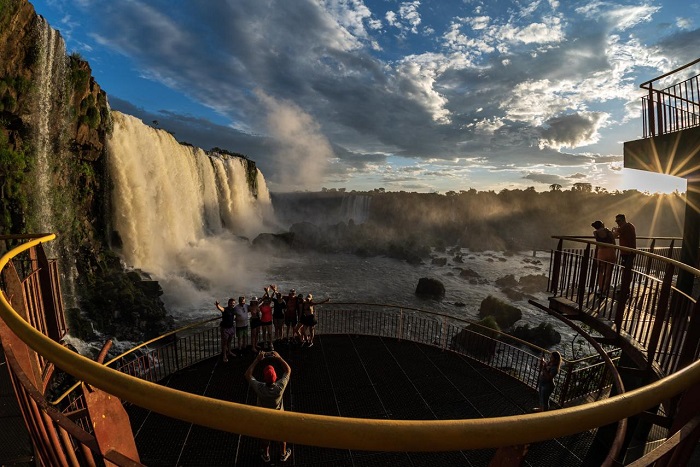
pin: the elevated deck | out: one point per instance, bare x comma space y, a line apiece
355, 376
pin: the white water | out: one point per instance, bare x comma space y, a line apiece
355, 208
181, 213
50, 82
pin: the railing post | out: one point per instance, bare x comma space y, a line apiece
583, 277
661, 307
556, 268
566, 385
649, 259
401, 320
443, 332
687, 355
650, 110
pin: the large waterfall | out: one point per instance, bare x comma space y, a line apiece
181, 212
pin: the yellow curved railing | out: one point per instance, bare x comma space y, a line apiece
345, 433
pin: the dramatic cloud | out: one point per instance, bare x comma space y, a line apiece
336, 88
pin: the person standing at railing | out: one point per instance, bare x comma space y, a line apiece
627, 234
242, 322
270, 394
545, 382
605, 257
228, 328
309, 320
266, 322
290, 315
278, 308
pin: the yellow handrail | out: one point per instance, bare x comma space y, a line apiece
345, 433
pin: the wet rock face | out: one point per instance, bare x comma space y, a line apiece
430, 288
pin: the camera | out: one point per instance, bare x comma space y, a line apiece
269, 354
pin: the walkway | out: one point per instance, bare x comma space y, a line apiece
354, 376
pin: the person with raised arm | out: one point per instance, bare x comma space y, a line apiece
270, 392
228, 328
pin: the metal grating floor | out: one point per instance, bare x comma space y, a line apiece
354, 376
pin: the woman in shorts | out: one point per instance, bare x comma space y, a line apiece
309, 318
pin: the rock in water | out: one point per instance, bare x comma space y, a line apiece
431, 288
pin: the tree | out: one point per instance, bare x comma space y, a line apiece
584, 187
555, 187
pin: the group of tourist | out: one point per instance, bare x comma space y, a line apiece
606, 256
255, 324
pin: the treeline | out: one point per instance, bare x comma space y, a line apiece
484, 220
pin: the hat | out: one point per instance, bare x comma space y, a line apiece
597, 224
269, 374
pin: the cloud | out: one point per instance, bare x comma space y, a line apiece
548, 179
325, 88
572, 130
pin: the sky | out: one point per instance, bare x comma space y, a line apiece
429, 96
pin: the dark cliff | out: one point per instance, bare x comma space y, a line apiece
75, 184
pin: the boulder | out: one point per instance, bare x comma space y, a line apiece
478, 339
507, 281
544, 335
430, 288
271, 240
533, 283
505, 314
439, 261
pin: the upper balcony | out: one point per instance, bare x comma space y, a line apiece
671, 117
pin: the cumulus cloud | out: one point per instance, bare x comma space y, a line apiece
572, 131
336, 88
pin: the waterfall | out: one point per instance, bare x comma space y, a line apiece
355, 207
49, 114
181, 212
50, 123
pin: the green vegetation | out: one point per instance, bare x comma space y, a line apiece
505, 314
14, 166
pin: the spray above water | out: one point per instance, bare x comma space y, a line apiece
185, 216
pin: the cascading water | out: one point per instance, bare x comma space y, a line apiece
181, 213
49, 116
50, 124
355, 208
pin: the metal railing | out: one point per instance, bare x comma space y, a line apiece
334, 432
673, 108
642, 301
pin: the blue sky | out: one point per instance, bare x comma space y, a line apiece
431, 95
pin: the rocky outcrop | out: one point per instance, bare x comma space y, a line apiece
76, 187
505, 314
430, 288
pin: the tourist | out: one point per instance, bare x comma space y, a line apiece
278, 308
266, 321
299, 328
605, 257
254, 309
309, 318
228, 328
290, 315
627, 234
545, 382
270, 394
242, 321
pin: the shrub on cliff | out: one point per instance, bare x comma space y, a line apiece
478, 339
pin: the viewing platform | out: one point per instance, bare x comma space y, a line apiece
361, 377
